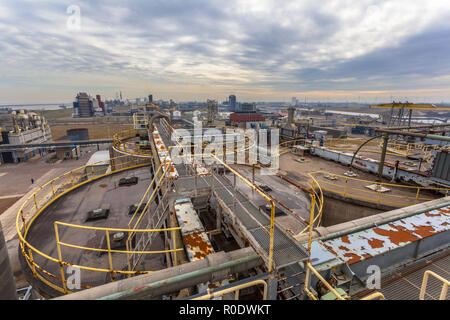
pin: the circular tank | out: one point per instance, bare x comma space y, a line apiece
81, 133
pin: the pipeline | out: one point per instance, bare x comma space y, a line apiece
415, 134
213, 268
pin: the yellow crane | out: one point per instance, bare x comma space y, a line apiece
403, 106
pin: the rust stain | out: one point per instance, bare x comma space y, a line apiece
401, 234
196, 242
367, 255
361, 163
424, 231
376, 243
354, 258
330, 249
428, 214
103, 185
345, 239
445, 224
344, 248
444, 210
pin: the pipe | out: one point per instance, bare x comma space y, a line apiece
213, 268
7, 281
420, 127
415, 134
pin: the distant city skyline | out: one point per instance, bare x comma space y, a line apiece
258, 50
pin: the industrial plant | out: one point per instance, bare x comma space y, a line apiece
235, 201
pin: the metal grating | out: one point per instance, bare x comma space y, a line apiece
408, 286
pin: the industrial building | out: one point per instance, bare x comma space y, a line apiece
22, 128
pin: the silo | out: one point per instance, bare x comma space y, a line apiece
7, 282
81, 133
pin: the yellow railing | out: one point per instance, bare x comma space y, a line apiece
349, 188
236, 289
445, 284
44, 196
121, 145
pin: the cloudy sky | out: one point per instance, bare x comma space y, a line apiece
328, 50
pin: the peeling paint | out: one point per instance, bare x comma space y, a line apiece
353, 248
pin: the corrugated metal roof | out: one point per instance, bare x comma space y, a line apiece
365, 244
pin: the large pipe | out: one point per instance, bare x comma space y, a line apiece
7, 282
415, 134
213, 268
419, 127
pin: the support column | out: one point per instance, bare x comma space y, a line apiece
383, 157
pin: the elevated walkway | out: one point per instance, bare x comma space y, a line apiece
249, 221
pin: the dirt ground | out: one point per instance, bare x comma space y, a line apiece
96, 131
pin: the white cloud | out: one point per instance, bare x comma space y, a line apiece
251, 45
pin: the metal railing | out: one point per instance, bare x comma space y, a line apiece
121, 145
423, 288
236, 289
44, 196
349, 188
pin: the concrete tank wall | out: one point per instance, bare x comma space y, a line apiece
7, 282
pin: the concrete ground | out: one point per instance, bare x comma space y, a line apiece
290, 167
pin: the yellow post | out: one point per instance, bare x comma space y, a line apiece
380, 186
174, 248
311, 220
61, 268
272, 222
109, 256
35, 201
33, 267
53, 189
417, 195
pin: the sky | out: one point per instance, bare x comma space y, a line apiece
259, 50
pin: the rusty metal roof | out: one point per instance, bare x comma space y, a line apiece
356, 247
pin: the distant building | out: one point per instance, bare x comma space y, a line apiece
244, 119
232, 103
248, 107
212, 110
20, 128
83, 106
294, 101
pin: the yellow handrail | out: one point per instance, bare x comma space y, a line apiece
375, 295
210, 295
423, 288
